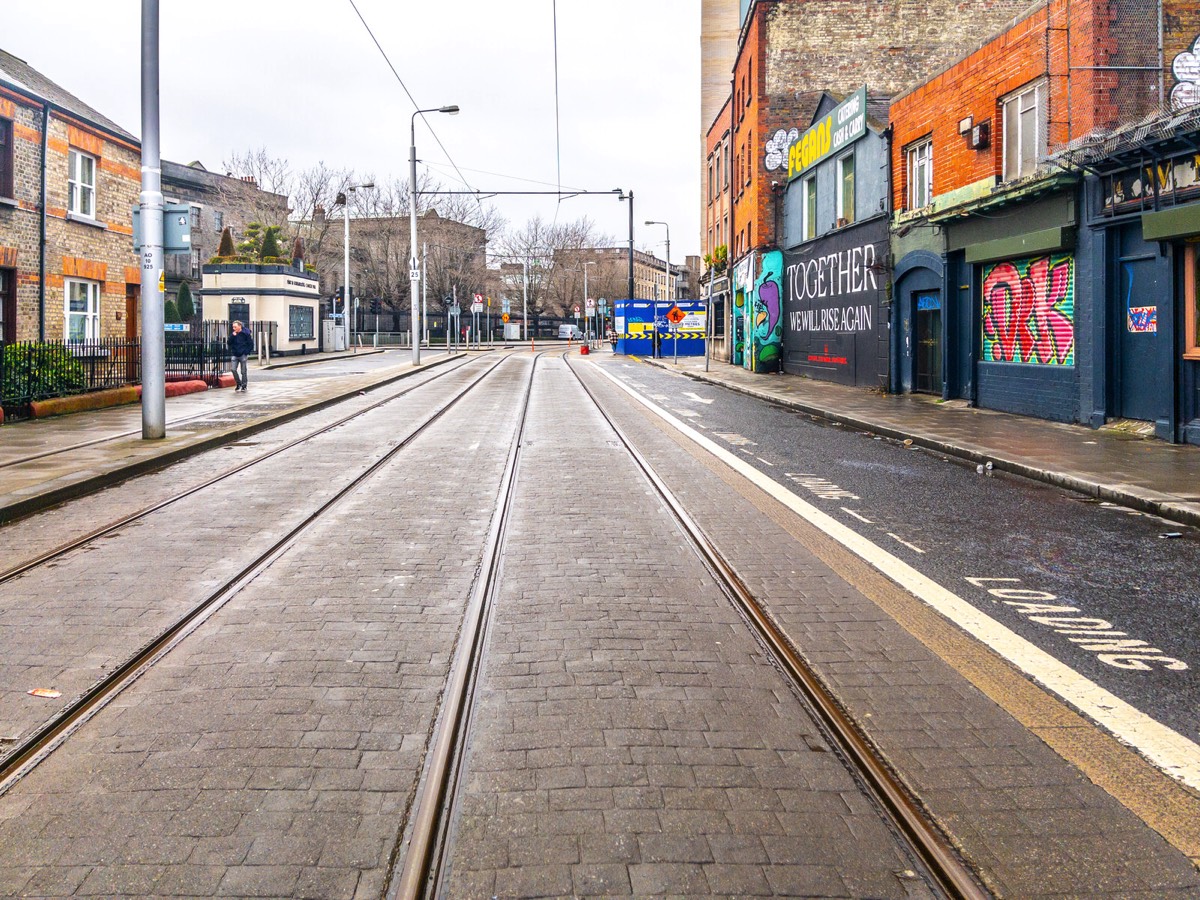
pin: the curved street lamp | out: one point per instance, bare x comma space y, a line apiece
414, 269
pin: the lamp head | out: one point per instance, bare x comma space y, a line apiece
452, 109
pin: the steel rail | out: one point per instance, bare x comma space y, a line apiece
952, 874
421, 864
75, 543
24, 757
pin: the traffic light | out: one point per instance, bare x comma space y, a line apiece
341, 292
376, 307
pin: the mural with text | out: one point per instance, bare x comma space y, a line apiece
765, 327
1029, 311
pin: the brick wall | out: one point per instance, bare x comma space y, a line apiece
1055, 42
715, 209
19, 225
96, 252
791, 51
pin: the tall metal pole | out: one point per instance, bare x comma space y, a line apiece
525, 300
586, 309
708, 326
414, 272
631, 294
154, 397
346, 269
425, 291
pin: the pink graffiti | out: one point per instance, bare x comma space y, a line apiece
1021, 314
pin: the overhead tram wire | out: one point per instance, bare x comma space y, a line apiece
408, 93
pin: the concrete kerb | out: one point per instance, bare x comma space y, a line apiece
1123, 495
10, 512
286, 362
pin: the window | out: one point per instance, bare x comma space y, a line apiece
808, 209
195, 218
719, 154
710, 184
195, 263
1024, 131
81, 184
920, 174
82, 311
845, 195
218, 220
300, 323
6, 158
717, 314
749, 153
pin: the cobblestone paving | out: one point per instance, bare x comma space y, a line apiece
631, 737
275, 751
1021, 813
63, 625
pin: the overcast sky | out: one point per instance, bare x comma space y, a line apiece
303, 79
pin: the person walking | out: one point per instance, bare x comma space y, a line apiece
241, 345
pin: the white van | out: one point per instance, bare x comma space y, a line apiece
570, 333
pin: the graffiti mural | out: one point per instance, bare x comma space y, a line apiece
765, 328
1029, 311
1186, 69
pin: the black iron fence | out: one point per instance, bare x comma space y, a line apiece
32, 370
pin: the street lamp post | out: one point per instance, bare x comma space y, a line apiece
347, 315
589, 315
629, 197
414, 269
670, 293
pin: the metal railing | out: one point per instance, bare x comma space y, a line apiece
37, 370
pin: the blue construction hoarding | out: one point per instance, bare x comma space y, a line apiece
644, 329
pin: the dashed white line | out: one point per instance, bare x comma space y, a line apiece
764, 462
863, 519
913, 547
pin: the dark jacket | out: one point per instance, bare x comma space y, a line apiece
241, 343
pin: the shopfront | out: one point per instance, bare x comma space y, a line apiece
835, 307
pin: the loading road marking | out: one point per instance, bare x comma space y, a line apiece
822, 487
1166, 748
732, 437
1099, 636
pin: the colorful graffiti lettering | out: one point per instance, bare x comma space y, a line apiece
1143, 320
766, 315
1029, 311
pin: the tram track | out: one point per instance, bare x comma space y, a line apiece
419, 870
948, 870
83, 540
20, 759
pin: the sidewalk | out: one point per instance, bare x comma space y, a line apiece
47, 461
1144, 474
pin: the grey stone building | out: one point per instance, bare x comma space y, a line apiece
215, 201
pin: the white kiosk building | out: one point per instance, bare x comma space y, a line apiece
287, 296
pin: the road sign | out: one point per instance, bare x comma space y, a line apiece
478, 298
675, 315
576, 309
506, 305
175, 326
504, 318
477, 306
414, 274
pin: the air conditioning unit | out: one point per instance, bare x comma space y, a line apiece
981, 136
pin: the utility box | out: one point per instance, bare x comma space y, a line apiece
334, 335
177, 228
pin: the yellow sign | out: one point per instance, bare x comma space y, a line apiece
504, 318
162, 281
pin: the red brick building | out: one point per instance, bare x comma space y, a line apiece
69, 178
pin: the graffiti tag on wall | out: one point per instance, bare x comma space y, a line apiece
1186, 70
1029, 311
